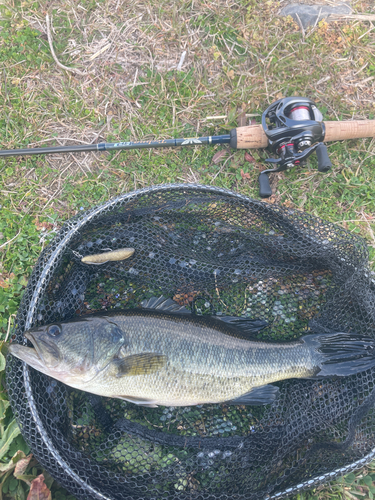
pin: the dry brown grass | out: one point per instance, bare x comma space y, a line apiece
239, 56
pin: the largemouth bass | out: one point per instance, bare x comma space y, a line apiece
157, 357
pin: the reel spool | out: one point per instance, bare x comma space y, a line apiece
295, 129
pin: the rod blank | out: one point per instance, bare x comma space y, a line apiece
116, 146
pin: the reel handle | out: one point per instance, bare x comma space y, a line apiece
324, 164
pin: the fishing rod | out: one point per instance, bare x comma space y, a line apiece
292, 128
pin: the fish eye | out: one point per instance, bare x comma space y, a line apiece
54, 330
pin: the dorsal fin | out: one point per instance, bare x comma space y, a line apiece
163, 304
246, 325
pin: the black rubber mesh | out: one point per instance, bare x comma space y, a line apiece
215, 252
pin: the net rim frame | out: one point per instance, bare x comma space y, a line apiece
43, 283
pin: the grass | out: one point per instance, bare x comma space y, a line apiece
240, 57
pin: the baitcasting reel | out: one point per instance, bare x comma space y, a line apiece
295, 129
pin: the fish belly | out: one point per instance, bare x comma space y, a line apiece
215, 378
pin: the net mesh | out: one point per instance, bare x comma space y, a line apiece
215, 252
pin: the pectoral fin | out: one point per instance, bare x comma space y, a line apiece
264, 395
139, 364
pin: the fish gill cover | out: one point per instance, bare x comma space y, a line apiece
215, 253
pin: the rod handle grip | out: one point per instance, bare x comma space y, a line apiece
265, 190
254, 137
351, 129
250, 137
324, 163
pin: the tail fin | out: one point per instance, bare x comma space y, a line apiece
343, 354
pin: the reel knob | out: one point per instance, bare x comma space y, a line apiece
324, 163
265, 190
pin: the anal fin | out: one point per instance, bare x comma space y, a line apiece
264, 395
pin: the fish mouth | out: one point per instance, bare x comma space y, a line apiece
33, 356
27, 354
